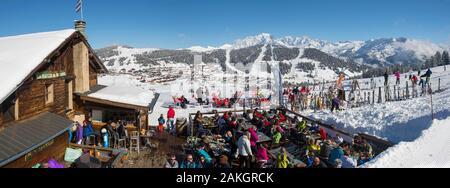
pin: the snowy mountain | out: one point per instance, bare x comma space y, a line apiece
384, 51
393, 51
296, 55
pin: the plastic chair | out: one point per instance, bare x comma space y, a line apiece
112, 139
122, 142
150, 133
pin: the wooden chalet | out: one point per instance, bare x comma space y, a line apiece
45, 79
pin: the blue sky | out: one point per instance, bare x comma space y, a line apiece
184, 23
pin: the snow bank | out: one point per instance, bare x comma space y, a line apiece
431, 150
394, 121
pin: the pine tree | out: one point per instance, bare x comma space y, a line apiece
437, 59
445, 58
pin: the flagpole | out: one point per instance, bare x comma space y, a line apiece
82, 19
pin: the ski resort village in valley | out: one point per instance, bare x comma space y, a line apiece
100, 94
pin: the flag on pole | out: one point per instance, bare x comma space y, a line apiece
79, 5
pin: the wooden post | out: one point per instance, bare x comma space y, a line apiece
386, 97
379, 95
407, 90
373, 96
398, 94
439, 85
365, 96
395, 93
369, 98
432, 112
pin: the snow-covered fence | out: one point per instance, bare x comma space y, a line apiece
388, 93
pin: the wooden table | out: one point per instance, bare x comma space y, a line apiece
246, 126
291, 157
263, 138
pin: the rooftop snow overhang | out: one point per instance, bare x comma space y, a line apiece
96, 60
107, 101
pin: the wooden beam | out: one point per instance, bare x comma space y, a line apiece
113, 103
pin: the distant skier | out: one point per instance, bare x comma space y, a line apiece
355, 85
414, 85
397, 76
427, 76
386, 78
199, 93
340, 86
410, 73
335, 104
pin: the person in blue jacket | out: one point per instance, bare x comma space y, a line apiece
427, 76
201, 152
309, 159
336, 153
88, 130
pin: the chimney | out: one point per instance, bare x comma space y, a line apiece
81, 27
81, 61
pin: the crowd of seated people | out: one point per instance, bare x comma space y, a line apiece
331, 152
319, 150
243, 142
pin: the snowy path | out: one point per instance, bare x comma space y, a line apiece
431, 150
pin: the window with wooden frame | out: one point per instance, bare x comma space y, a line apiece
49, 94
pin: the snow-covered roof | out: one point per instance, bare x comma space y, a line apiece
123, 89
21, 54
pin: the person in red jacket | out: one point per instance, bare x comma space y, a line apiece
266, 122
282, 118
171, 120
257, 114
414, 80
233, 124
226, 116
253, 139
397, 76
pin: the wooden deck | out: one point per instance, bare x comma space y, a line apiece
156, 157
